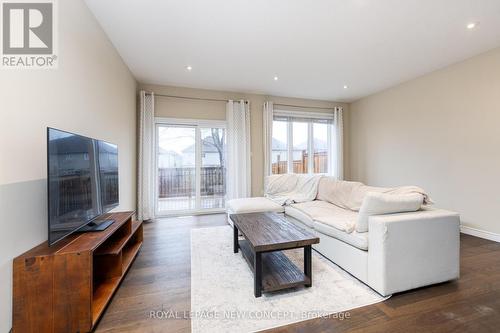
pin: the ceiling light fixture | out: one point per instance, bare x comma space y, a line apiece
275, 78
471, 25
189, 68
345, 86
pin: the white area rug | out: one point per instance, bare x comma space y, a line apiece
222, 298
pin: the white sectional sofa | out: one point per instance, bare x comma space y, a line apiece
407, 244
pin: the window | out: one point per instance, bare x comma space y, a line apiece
280, 147
321, 138
301, 142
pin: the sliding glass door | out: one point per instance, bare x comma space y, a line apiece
176, 168
190, 166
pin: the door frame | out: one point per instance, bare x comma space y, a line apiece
197, 124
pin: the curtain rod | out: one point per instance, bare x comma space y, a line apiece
196, 98
246, 102
305, 107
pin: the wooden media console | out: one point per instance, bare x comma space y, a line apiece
66, 287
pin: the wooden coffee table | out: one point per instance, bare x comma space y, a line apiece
266, 235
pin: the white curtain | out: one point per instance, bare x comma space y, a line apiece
145, 186
337, 155
238, 149
268, 137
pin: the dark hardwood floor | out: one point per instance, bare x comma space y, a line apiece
160, 279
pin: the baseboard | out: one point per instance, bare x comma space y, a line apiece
480, 233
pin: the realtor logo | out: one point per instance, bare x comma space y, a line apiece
28, 34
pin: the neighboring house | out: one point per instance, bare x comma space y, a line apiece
318, 146
210, 155
170, 159
280, 148
186, 159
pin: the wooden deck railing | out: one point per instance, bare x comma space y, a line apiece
180, 182
320, 164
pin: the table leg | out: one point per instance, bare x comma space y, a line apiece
258, 274
235, 239
308, 264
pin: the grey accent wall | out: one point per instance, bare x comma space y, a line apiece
23, 216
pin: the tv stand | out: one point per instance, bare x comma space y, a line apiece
66, 287
96, 226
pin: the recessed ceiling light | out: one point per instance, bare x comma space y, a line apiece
345, 86
471, 25
275, 78
189, 68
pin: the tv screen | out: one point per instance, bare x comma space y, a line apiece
72, 183
82, 176
108, 175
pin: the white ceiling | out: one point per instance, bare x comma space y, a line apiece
314, 47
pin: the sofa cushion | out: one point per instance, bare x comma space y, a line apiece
339, 193
324, 212
315, 208
350, 195
253, 205
356, 239
289, 188
275, 184
345, 194
380, 203
341, 219
299, 216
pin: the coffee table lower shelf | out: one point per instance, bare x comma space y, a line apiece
278, 272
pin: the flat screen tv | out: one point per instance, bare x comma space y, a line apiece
82, 183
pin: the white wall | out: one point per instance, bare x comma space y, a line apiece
91, 93
441, 132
